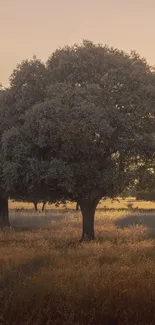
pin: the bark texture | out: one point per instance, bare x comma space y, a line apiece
88, 207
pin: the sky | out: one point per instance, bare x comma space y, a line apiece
38, 27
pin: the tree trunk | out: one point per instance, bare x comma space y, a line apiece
88, 207
77, 206
35, 206
4, 212
43, 206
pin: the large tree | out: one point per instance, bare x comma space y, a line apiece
83, 141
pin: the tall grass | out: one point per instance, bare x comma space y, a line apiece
47, 277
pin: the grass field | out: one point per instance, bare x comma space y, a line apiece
47, 277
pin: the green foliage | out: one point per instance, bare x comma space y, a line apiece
27, 87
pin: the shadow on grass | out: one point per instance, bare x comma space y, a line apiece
141, 219
34, 222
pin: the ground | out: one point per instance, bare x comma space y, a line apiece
47, 277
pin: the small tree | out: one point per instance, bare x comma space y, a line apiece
27, 87
36, 205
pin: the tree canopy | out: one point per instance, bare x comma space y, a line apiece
84, 121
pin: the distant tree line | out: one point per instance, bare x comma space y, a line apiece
79, 127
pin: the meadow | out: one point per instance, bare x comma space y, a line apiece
48, 277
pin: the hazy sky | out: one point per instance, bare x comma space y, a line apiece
29, 27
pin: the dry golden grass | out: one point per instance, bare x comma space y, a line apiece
109, 204
47, 277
